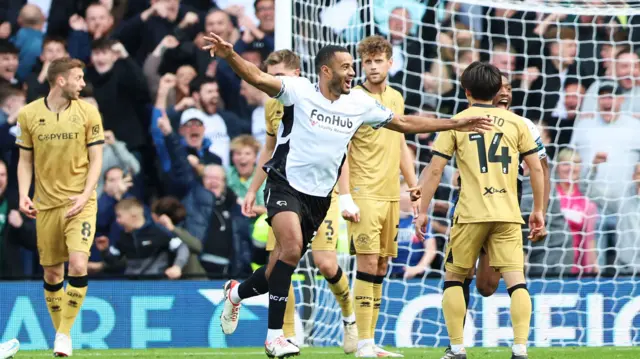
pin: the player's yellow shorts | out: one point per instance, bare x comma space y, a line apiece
326, 238
377, 231
501, 240
57, 235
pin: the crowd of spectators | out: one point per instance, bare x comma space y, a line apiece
183, 132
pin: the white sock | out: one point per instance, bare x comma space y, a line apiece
519, 349
363, 342
350, 319
457, 348
272, 334
235, 297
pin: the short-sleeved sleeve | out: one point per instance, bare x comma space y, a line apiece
292, 89
526, 144
272, 110
376, 115
95, 132
445, 144
535, 134
23, 135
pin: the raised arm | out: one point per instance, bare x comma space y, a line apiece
418, 124
246, 70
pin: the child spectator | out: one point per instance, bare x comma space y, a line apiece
170, 213
244, 153
144, 248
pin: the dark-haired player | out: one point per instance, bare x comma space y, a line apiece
60, 139
487, 278
305, 166
487, 214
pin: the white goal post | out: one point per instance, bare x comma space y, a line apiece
559, 55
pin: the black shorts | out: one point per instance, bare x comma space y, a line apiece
279, 196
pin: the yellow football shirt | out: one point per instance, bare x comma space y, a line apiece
488, 165
374, 157
59, 142
273, 113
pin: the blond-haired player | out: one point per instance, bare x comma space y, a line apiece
370, 194
60, 139
287, 63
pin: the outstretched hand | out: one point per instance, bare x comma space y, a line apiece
474, 124
217, 46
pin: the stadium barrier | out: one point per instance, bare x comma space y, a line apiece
160, 314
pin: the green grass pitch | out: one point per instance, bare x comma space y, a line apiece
317, 353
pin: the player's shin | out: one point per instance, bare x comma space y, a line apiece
520, 316
454, 310
339, 285
363, 293
72, 302
279, 283
53, 295
377, 300
288, 324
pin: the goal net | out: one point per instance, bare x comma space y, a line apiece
575, 72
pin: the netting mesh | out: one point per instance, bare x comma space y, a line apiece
574, 72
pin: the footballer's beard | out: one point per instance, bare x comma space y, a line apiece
335, 86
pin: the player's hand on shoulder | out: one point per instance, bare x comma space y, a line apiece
349, 209
421, 225
217, 46
26, 206
474, 124
248, 204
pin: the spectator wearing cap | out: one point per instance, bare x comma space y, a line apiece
9, 64
53, 48
29, 38
97, 24
611, 139
220, 126
183, 155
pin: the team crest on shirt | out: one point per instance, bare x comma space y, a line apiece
75, 119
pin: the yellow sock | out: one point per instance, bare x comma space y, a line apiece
454, 310
339, 285
72, 302
377, 300
53, 294
520, 313
288, 323
363, 293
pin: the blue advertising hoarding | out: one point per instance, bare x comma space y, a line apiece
156, 314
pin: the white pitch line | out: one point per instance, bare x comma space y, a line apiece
25, 354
